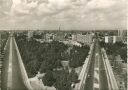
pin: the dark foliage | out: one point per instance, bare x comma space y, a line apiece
49, 79
115, 49
46, 58
78, 56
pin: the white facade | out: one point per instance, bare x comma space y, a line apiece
106, 39
83, 38
114, 39
30, 34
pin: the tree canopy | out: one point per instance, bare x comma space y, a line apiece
115, 49
46, 57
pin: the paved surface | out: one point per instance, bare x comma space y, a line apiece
12, 78
96, 79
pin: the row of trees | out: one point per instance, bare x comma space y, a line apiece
62, 79
40, 56
78, 55
46, 58
115, 49
3, 40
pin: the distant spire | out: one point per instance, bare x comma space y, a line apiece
59, 27
0, 40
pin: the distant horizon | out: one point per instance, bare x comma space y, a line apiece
65, 30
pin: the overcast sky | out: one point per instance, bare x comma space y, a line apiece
68, 14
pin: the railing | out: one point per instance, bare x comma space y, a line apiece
83, 75
112, 83
22, 68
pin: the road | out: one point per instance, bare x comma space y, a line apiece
12, 78
96, 78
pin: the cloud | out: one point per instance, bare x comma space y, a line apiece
22, 7
99, 4
71, 14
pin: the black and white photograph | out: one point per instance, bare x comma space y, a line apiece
63, 60
63, 45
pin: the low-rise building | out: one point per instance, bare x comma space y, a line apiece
108, 39
48, 37
86, 39
29, 34
59, 36
114, 39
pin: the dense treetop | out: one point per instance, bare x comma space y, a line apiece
46, 57
115, 49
